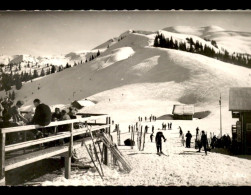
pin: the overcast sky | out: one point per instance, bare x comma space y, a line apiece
52, 33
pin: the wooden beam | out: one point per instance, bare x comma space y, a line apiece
52, 124
51, 138
2, 159
36, 142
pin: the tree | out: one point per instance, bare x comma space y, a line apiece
98, 54
10, 95
13, 95
67, 65
171, 44
156, 41
42, 73
53, 69
18, 82
35, 74
48, 71
6, 82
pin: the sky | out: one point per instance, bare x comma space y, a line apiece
41, 33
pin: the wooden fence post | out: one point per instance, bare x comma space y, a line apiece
105, 149
2, 159
109, 128
69, 155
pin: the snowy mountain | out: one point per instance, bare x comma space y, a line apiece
131, 77
233, 41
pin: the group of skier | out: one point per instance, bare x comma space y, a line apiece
169, 125
151, 118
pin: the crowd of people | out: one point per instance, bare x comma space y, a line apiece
151, 118
11, 116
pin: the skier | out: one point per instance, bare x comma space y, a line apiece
188, 139
170, 125
213, 142
182, 139
158, 141
180, 131
129, 128
203, 142
151, 137
152, 129
146, 128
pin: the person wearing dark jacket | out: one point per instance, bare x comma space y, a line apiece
180, 131
56, 116
188, 139
42, 114
6, 104
151, 137
158, 140
203, 142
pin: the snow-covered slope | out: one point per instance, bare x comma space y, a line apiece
139, 78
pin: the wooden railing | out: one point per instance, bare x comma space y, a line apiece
64, 150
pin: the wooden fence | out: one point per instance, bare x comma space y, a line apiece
64, 150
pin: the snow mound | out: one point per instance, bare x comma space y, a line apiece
120, 54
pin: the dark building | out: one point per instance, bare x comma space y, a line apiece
240, 106
183, 112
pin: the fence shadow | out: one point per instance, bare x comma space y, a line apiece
140, 153
32, 171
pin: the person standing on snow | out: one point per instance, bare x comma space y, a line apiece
151, 137
203, 142
146, 128
188, 139
152, 129
180, 131
158, 140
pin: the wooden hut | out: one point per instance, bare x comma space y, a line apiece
240, 106
82, 103
183, 112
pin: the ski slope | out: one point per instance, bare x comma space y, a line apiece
179, 167
138, 78
131, 78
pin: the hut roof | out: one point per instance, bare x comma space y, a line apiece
84, 103
240, 99
183, 109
